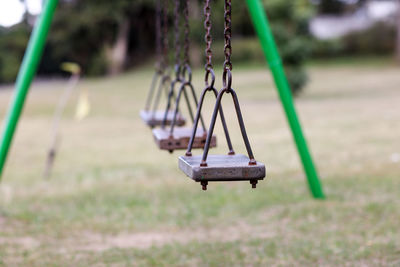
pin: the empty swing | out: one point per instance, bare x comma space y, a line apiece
150, 115
177, 138
230, 167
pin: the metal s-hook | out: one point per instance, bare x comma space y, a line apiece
186, 73
227, 80
210, 84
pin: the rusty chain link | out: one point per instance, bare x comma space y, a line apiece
177, 38
227, 74
209, 75
165, 43
186, 56
158, 36
228, 35
208, 37
186, 71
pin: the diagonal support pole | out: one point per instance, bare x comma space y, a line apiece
268, 44
26, 74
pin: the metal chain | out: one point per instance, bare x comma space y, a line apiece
165, 44
228, 35
158, 34
186, 56
177, 34
208, 37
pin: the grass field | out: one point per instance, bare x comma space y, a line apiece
115, 200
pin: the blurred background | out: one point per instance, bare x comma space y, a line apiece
114, 199
88, 32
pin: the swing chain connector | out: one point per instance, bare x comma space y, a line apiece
227, 80
186, 74
178, 71
210, 81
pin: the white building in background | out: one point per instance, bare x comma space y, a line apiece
12, 11
329, 27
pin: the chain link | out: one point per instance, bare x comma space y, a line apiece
186, 56
228, 35
208, 37
165, 44
177, 34
158, 34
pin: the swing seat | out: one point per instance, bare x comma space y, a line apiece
221, 168
180, 138
154, 119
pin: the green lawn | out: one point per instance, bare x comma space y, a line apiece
115, 200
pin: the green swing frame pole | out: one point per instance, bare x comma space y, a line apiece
269, 47
26, 74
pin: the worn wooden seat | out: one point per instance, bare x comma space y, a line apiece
180, 138
154, 119
222, 168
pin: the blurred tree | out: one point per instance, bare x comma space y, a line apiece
331, 7
106, 33
109, 36
13, 42
102, 34
289, 21
339, 6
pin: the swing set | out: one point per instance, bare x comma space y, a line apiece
168, 124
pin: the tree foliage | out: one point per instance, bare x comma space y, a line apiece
87, 31
290, 28
82, 30
339, 6
12, 44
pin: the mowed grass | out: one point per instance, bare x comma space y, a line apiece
114, 199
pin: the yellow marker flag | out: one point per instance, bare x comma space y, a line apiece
83, 106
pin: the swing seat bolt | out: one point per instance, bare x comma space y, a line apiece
253, 184
204, 185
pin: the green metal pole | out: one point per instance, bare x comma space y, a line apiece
268, 44
26, 73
